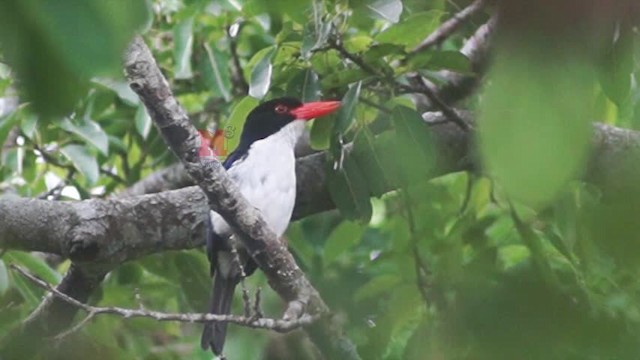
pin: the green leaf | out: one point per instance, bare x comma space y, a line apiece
4, 278
28, 125
83, 161
305, 85
235, 123
143, 121
28, 291
183, 48
321, 132
121, 88
449, 60
413, 147
342, 238
344, 77
389, 10
193, 268
314, 36
261, 73
346, 113
57, 46
34, 264
411, 31
618, 66
90, 131
375, 165
8, 122
376, 286
216, 72
535, 125
349, 190
440, 60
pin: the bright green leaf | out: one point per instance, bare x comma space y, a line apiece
183, 48
321, 131
83, 160
411, 31
261, 74
235, 123
90, 131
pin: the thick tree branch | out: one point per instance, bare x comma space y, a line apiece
173, 220
223, 196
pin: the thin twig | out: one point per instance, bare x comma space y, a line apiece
421, 87
237, 73
418, 85
278, 325
449, 27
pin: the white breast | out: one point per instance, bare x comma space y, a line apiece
267, 179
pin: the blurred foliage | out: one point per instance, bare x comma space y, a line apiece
528, 265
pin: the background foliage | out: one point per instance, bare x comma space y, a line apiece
531, 265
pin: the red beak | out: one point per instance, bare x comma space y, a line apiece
315, 109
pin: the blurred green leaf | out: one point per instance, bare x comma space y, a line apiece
34, 265
83, 161
349, 190
28, 291
342, 238
183, 39
412, 30
261, 73
535, 125
61, 45
618, 66
377, 286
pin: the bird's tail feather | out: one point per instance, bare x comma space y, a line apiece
214, 333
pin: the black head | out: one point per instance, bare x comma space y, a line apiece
268, 118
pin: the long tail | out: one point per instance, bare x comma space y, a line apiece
214, 333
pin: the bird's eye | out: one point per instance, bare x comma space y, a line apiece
281, 109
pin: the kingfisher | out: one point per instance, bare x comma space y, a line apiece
263, 167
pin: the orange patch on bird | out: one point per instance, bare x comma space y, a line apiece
212, 144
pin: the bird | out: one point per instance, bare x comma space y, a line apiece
263, 167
